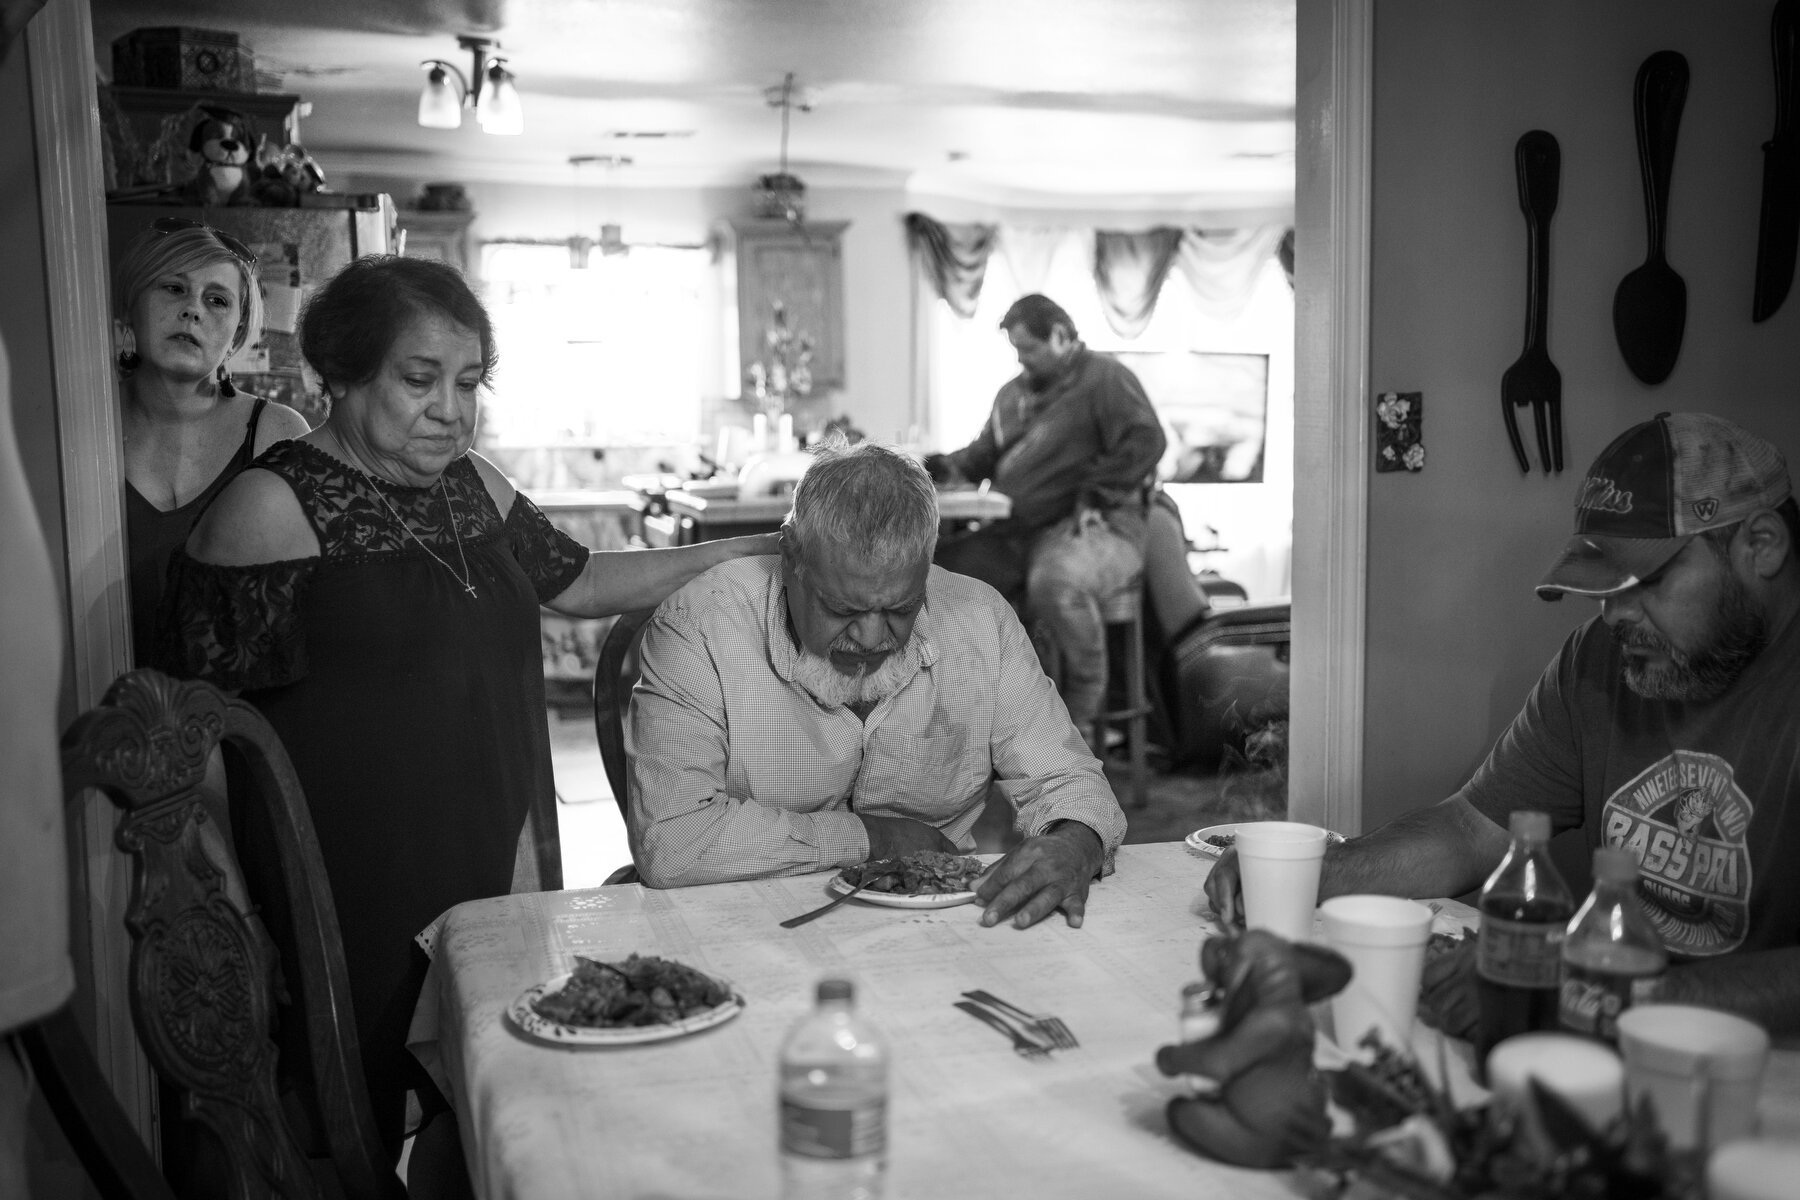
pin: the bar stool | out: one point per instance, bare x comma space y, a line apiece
1124, 611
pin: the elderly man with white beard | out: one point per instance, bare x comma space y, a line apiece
1668, 725
847, 701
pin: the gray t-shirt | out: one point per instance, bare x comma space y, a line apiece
1705, 796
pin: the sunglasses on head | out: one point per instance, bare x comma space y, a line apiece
177, 224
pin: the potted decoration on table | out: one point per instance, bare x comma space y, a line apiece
1255, 1098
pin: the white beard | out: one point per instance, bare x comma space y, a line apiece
834, 689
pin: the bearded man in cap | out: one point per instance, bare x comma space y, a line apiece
1669, 724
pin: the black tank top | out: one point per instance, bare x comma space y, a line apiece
151, 536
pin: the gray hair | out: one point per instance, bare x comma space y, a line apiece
868, 503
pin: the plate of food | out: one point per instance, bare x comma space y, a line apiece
1214, 840
642, 999
922, 879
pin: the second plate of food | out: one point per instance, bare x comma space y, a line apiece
610, 1004
1214, 840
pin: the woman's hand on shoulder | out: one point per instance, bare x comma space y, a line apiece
278, 423
256, 519
755, 543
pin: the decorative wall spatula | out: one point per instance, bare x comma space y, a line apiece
1778, 234
1650, 307
1534, 379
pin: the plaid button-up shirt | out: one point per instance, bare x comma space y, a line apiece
737, 772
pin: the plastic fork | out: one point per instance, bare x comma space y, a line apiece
1043, 1023
1023, 1046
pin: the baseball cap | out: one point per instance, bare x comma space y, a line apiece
1657, 485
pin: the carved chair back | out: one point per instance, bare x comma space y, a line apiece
203, 970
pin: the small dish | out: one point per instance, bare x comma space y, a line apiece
1197, 840
903, 899
528, 1020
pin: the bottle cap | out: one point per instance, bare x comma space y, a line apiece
834, 989
1614, 864
1530, 826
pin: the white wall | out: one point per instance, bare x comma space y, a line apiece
1456, 635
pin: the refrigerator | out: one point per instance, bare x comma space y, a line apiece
297, 249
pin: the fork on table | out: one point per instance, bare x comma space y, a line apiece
1023, 1046
1051, 1028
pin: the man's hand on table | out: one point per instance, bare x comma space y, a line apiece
1225, 890
1042, 874
1447, 995
890, 837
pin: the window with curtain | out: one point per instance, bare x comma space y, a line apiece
966, 361
598, 355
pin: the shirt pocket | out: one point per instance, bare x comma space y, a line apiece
930, 778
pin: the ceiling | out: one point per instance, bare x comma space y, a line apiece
1101, 103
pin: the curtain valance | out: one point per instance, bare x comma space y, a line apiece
953, 257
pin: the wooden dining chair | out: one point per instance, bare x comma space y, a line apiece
204, 976
615, 674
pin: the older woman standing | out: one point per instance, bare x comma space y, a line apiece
374, 589
185, 298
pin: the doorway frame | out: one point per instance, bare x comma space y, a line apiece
65, 116
1334, 88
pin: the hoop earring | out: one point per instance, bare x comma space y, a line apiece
129, 361
226, 388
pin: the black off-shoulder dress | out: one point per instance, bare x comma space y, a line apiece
413, 711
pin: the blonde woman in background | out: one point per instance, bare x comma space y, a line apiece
185, 298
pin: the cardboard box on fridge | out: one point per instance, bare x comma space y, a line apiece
177, 56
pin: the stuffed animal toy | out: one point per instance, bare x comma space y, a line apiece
283, 174
1266, 1105
222, 175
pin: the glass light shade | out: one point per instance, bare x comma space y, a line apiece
498, 107
439, 105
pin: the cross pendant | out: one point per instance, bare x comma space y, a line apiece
469, 588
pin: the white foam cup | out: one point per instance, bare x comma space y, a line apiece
1700, 1068
1384, 939
1278, 866
1756, 1169
1584, 1074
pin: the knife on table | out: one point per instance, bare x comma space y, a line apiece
1779, 233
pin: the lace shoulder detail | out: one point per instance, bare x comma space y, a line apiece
236, 627
353, 514
550, 558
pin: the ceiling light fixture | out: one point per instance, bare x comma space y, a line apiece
612, 235
782, 194
492, 96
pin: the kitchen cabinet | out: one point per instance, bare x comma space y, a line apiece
799, 266
441, 235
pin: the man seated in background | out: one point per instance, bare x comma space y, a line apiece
846, 701
1074, 442
1669, 724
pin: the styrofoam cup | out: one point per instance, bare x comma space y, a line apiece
1384, 939
1278, 866
1700, 1068
1586, 1075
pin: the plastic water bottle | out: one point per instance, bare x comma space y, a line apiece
1525, 911
834, 1088
1611, 944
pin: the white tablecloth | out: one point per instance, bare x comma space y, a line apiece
695, 1117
